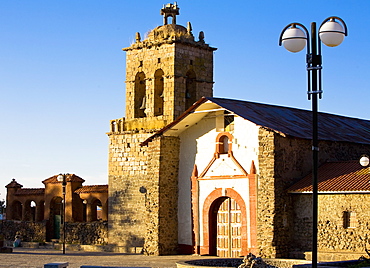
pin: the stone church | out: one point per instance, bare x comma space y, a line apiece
190, 173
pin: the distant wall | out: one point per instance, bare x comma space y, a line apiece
30, 231
92, 233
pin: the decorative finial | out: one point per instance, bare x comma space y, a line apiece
201, 36
189, 27
138, 37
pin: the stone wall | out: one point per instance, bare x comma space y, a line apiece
175, 59
29, 231
127, 192
266, 195
161, 204
282, 162
332, 232
90, 233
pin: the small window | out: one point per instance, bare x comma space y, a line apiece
141, 63
350, 219
225, 145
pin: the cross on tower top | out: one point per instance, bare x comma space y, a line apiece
170, 10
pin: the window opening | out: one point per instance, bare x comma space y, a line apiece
140, 96
191, 89
158, 92
350, 219
224, 145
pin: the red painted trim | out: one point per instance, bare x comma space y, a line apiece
223, 177
185, 249
207, 167
209, 229
253, 213
220, 143
195, 210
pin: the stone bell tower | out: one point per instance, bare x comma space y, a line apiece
166, 73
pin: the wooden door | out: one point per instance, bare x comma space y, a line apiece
229, 229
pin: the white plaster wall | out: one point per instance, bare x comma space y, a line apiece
245, 143
198, 147
189, 144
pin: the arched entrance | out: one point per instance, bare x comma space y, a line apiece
56, 206
225, 228
16, 210
228, 233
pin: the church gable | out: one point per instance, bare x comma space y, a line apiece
223, 163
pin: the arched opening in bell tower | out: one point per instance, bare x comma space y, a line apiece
140, 95
191, 89
158, 92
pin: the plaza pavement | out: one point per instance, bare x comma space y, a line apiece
36, 258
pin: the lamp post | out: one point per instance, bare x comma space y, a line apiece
364, 160
62, 178
294, 38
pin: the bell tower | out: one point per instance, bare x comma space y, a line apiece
166, 73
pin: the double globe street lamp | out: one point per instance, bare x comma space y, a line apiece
63, 179
294, 38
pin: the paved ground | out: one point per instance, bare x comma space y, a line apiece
36, 258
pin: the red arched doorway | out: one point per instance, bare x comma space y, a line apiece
227, 219
225, 230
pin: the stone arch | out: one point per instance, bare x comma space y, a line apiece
209, 214
191, 89
158, 92
140, 95
224, 143
113, 126
40, 208
56, 214
29, 211
16, 209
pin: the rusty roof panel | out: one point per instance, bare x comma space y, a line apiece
298, 123
285, 120
345, 176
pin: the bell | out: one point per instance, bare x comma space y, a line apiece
142, 107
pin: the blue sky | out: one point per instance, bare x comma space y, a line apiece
62, 71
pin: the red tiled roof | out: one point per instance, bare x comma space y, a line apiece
348, 176
30, 191
92, 189
69, 178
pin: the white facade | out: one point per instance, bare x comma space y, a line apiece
198, 147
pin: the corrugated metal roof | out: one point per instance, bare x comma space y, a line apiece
348, 176
285, 120
298, 123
